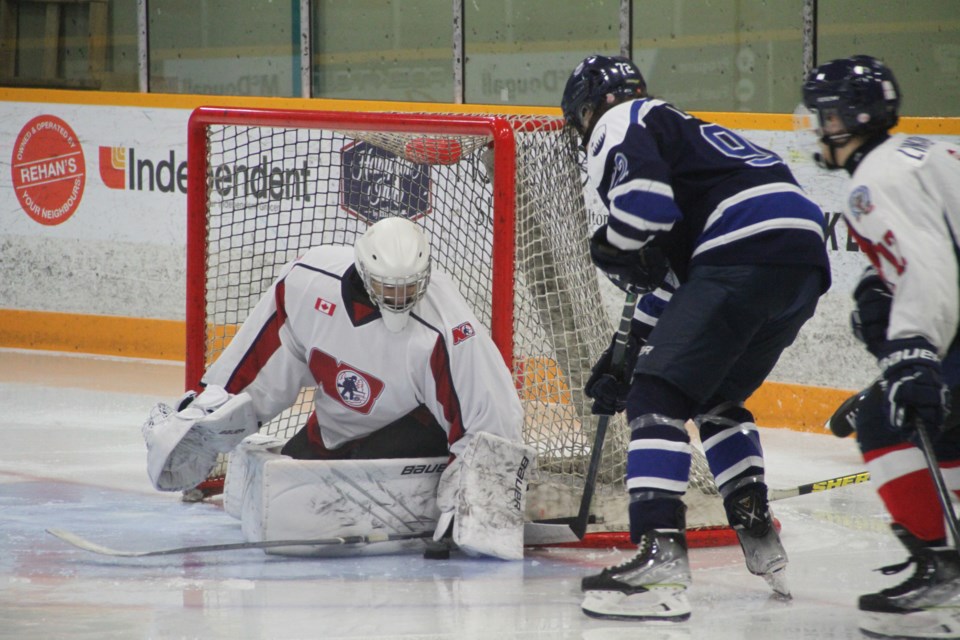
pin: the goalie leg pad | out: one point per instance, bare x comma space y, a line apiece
285, 499
486, 488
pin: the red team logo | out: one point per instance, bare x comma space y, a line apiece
48, 170
463, 332
354, 388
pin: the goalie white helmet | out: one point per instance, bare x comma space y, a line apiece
393, 259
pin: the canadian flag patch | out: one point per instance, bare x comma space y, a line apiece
325, 306
463, 332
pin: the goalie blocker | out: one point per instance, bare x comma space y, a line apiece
483, 492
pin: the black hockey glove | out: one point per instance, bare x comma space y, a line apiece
637, 271
608, 385
913, 384
872, 315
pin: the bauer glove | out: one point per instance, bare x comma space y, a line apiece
609, 384
913, 384
638, 271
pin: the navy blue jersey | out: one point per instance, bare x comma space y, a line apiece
701, 192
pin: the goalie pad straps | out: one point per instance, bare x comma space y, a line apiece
484, 492
182, 446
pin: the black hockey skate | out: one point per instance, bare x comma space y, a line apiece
650, 586
918, 607
914, 608
749, 515
935, 580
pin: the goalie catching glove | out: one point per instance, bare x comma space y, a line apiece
483, 493
182, 444
639, 271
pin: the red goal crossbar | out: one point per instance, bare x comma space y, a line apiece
198, 181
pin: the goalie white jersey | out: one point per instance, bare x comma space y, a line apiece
316, 327
903, 207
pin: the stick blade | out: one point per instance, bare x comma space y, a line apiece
543, 533
87, 545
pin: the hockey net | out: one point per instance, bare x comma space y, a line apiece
500, 200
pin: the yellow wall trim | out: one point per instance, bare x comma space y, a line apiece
758, 121
98, 335
793, 406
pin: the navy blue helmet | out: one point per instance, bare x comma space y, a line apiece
852, 96
596, 84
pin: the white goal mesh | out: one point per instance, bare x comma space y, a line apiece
500, 200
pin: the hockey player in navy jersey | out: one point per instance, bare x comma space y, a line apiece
903, 209
747, 249
401, 366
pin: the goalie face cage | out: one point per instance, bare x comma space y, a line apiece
500, 200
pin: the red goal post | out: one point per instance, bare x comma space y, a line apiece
495, 127
500, 198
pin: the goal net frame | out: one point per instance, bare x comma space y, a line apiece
500, 137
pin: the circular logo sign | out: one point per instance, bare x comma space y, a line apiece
48, 170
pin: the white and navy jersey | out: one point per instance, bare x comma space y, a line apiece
316, 327
700, 191
650, 306
903, 207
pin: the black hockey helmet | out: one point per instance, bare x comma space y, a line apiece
856, 96
598, 83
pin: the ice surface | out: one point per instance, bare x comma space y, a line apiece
74, 459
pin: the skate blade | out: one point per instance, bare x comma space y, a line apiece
656, 604
778, 582
936, 623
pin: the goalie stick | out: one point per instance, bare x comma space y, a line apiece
578, 524
533, 534
88, 545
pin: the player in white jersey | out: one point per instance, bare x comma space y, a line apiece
903, 209
732, 253
401, 366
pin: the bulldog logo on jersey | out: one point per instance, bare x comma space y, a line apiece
860, 204
345, 383
463, 332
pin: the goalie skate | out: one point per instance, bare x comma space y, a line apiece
650, 586
765, 556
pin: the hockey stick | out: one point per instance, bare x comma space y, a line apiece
87, 545
578, 524
942, 492
817, 487
533, 534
